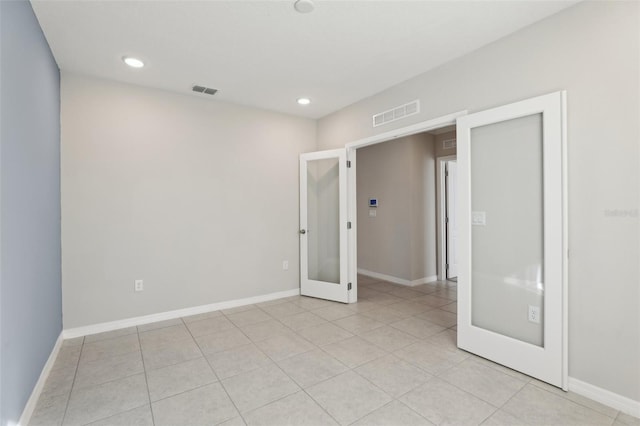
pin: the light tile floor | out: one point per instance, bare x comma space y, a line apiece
390, 359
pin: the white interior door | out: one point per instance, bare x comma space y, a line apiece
323, 225
512, 236
452, 230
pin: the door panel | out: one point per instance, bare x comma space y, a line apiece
452, 229
323, 239
512, 298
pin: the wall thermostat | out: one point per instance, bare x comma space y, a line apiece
373, 202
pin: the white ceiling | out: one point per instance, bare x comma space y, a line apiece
265, 54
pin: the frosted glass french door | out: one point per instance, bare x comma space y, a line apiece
512, 241
323, 225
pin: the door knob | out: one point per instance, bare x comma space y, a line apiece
303, 231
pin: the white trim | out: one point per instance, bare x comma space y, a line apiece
423, 126
30, 406
146, 319
352, 236
396, 280
603, 396
441, 209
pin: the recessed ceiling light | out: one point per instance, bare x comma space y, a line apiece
304, 101
133, 62
304, 6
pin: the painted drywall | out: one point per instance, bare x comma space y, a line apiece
592, 51
197, 198
30, 290
440, 150
400, 240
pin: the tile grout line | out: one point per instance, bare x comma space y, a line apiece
73, 382
146, 380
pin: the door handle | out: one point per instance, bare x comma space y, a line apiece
303, 231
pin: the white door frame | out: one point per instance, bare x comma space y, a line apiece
352, 202
441, 208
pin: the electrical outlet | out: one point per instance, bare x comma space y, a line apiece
285, 265
138, 285
534, 314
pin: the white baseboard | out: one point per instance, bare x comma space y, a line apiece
29, 408
603, 396
146, 319
396, 280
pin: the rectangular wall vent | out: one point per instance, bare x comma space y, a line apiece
449, 144
205, 90
396, 113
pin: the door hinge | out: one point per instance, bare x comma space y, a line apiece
446, 220
348, 225
447, 266
348, 164
446, 173
349, 286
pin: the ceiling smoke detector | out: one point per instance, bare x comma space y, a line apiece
304, 6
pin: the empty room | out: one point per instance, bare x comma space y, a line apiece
319, 212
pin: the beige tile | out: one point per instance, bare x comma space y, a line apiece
178, 378
324, 334
447, 339
429, 357
500, 418
312, 367
354, 351
284, 346
247, 317
164, 336
216, 342
333, 312
358, 324
439, 317
446, 293
238, 360
209, 326
384, 315
91, 373
381, 298
537, 406
362, 305
417, 327
579, 399
68, 357
202, 316
303, 320
393, 375
59, 381
294, 410
442, 403
236, 421
259, 387
394, 413
433, 301
110, 348
140, 416
382, 286
49, 410
98, 402
170, 353
407, 308
389, 338
238, 309
486, 383
627, 419
451, 307
273, 302
348, 397
75, 341
159, 324
110, 334
311, 303
202, 406
283, 309
405, 293
264, 330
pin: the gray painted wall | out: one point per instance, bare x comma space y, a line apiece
31, 306
592, 51
401, 240
196, 197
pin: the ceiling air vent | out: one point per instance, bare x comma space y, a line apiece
396, 113
449, 144
205, 90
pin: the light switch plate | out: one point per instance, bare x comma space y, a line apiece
479, 218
